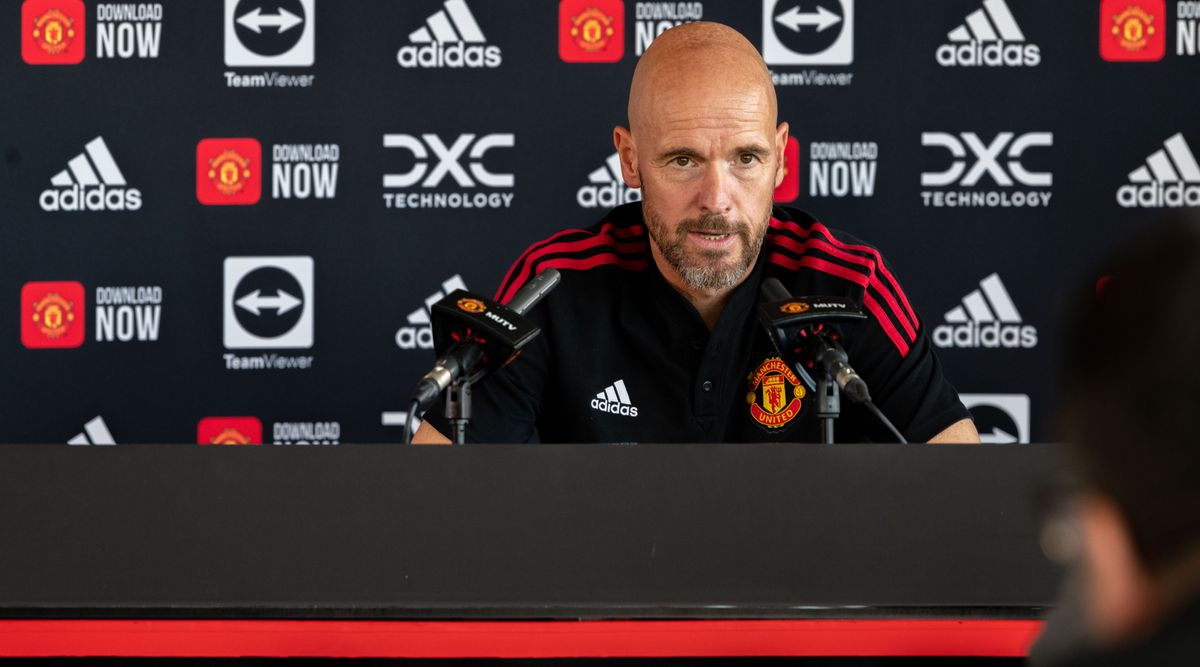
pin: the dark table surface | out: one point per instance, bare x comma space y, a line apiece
529, 532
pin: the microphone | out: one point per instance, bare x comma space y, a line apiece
482, 331
797, 326
836, 363
534, 291
798, 323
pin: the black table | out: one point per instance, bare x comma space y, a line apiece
513, 551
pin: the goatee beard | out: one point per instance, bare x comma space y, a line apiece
705, 269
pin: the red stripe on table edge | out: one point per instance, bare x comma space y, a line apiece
515, 639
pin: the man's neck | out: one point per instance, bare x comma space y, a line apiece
708, 303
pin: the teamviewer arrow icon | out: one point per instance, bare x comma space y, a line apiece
793, 19
256, 20
254, 302
998, 436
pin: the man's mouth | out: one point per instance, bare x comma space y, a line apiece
717, 241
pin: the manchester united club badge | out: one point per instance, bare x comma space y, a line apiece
775, 394
228, 171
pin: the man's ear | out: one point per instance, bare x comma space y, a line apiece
1119, 591
781, 137
623, 141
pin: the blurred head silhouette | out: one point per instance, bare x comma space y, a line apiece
1131, 394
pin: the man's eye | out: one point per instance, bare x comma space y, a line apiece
748, 158
682, 161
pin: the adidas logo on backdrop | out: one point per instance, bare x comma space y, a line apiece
615, 400
607, 187
1170, 178
987, 318
419, 331
989, 37
450, 38
95, 432
92, 181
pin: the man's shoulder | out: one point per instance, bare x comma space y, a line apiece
812, 259
615, 242
798, 246
791, 222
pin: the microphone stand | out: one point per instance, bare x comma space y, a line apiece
828, 396
458, 408
829, 406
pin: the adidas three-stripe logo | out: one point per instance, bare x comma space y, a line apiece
418, 333
990, 37
607, 187
611, 171
79, 169
976, 305
978, 27
92, 181
987, 318
1170, 178
451, 37
440, 26
615, 400
95, 432
421, 315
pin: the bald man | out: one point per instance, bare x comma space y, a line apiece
652, 335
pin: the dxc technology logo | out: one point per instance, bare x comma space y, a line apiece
450, 158
1000, 159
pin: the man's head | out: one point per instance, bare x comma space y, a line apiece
1131, 390
703, 146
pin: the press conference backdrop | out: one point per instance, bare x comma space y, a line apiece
225, 220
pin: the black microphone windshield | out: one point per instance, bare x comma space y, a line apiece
773, 290
534, 290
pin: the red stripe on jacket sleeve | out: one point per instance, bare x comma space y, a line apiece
872, 305
606, 235
895, 284
873, 279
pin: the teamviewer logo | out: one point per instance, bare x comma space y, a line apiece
268, 302
273, 33
1001, 419
808, 32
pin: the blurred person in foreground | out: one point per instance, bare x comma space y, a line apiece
1131, 396
652, 334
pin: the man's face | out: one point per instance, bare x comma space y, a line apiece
708, 162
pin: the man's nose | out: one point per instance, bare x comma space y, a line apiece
715, 194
